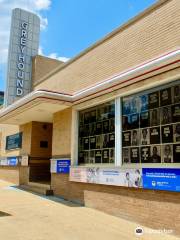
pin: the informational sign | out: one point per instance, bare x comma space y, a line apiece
12, 161
161, 179
24, 160
23, 45
63, 166
107, 176
53, 166
14, 141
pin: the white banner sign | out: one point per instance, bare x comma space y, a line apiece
107, 176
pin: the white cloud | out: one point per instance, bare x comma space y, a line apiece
53, 55
6, 7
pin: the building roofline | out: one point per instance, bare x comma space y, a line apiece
107, 37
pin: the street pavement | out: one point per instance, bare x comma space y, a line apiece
30, 216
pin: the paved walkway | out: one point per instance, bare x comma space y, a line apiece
34, 217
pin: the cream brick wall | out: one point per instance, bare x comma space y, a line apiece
153, 33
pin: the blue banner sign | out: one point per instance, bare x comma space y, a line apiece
63, 166
12, 161
161, 179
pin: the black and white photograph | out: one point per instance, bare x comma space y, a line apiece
176, 153
92, 142
145, 154
99, 143
166, 117
111, 140
126, 122
98, 128
126, 155
165, 97
134, 121
145, 136
134, 105
126, 141
154, 117
105, 156
111, 155
155, 135
105, 139
155, 154
92, 156
134, 155
144, 119
176, 113
98, 155
126, 106
167, 134
86, 143
176, 134
144, 103
176, 93
106, 126
153, 100
135, 137
167, 152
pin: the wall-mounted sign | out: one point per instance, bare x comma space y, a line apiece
14, 141
24, 43
107, 176
9, 161
24, 160
161, 179
63, 166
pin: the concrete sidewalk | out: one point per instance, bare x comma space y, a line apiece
34, 217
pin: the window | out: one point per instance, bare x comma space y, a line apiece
151, 126
97, 134
43, 144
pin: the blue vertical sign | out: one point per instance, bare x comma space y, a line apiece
63, 166
167, 179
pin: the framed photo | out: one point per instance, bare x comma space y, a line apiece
92, 142
126, 106
155, 135
112, 140
144, 119
155, 154
126, 141
105, 138
176, 113
134, 155
176, 134
145, 154
126, 123
126, 155
134, 121
134, 104
167, 134
165, 97
86, 143
166, 117
135, 136
98, 155
105, 156
145, 136
154, 117
99, 143
153, 100
144, 103
176, 153
176, 94
167, 152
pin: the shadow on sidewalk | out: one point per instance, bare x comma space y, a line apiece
4, 214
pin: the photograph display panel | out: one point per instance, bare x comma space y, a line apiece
97, 134
151, 126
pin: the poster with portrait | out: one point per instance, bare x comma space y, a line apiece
134, 155
106, 126
99, 143
134, 104
154, 117
135, 136
155, 135
167, 153
165, 97
112, 125
111, 140
92, 156
126, 122
153, 100
176, 113
145, 154
166, 116
176, 94
93, 142
176, 130
176, 153
86, 144
126, 155
98, 155
144, 119
134, 121
155, 154
105, 156
167, 134
144, 103
145, 136
98, 128
126, 141
105, 139
111, 155
126, 106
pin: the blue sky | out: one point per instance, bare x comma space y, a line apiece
68, 26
